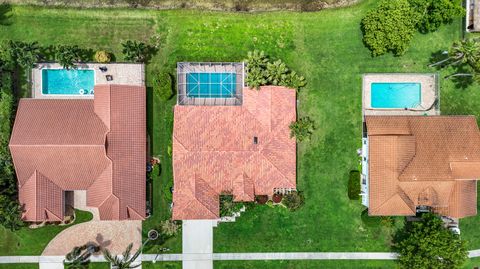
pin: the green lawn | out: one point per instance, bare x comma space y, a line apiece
28, 241
340, 264
325, 47
19, 266
162, 265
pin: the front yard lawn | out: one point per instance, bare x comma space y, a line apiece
28, 241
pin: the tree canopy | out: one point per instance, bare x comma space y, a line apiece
433, 13
391, 26
428, 244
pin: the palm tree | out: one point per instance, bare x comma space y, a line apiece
465, 57
26, 54
79, 257
68, 55
465, 51
123, 261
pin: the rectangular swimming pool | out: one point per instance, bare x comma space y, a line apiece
68, 82
396, 95
211, 85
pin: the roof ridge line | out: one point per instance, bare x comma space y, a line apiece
195, 195
181, 144
268, 160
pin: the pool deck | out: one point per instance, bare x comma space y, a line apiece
429, 104
122, 73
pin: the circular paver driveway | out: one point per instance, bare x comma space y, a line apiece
114, 235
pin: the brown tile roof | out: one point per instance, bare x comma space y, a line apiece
214, 153
419, 160
95, 145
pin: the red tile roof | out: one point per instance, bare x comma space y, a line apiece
95, 145
214, 152
423, 160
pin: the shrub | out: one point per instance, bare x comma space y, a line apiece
277, 73
228, 207
302, 129
255, 65
294, 81
163, 85
10, 210
389, 27
428, 244
293, 200
169, 227
25, 54
102, 56
135, 51
260, 71
277, 198
261, 199
354, 185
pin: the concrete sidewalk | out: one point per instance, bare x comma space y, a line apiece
231, 256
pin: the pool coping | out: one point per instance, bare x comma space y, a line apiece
122, 73
429, 86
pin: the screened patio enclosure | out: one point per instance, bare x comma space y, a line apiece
210, 83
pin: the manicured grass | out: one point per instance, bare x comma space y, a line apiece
338, 264
469, 228
28, 241
19, 266
162, 265
472, 263
326, 48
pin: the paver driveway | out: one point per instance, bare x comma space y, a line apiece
114, 235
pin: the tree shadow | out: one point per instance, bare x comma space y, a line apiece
150, 52
438, 56
5, 14
101, 242
462, 82
401, 234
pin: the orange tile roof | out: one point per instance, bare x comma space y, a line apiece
95, 145
214, 152
423, 160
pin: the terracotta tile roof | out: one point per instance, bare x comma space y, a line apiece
419, 160
95, 145
214, 151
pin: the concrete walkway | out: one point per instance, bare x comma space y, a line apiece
197, 244
232, 256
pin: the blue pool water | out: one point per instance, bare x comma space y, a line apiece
211, 85
395, 95
69, 82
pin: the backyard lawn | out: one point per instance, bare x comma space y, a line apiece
326, 48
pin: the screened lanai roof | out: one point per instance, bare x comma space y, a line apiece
210, 83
